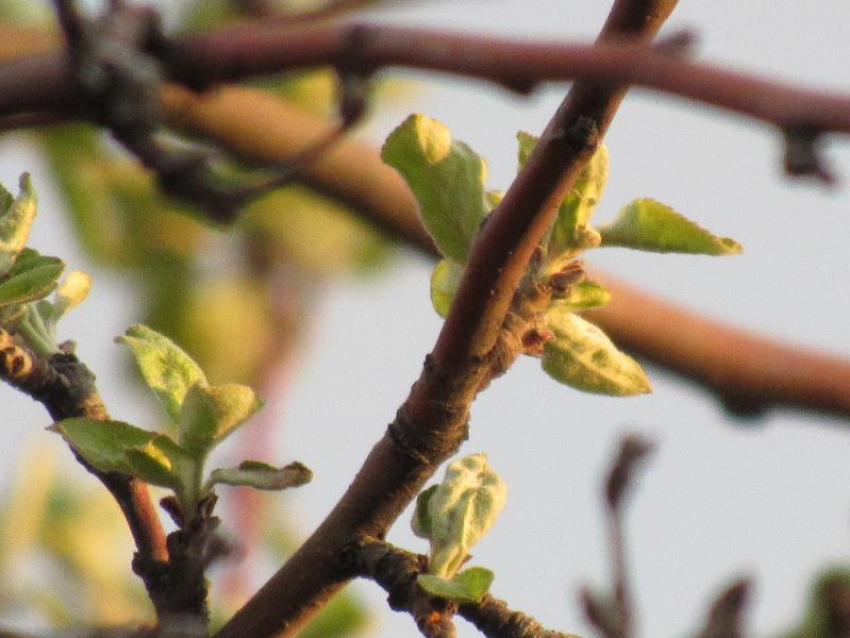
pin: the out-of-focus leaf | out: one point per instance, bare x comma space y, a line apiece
167, 369
228, 327
445, 279
646, 224
827, 614
16, 217
446, 177
319, 235
582, 356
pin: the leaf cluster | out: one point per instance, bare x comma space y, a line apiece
203, 416
448, 180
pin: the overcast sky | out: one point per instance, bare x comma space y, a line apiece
718, 499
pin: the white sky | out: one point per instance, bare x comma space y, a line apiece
717, 500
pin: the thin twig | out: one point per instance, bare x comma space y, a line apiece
613, 616
66, 388
726, 617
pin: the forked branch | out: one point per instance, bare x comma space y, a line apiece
431, 423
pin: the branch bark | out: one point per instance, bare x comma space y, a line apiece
747, 372
40, 82
66, 388
431, 423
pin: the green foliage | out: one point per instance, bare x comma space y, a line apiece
571, 232
445, 279
205, 415
826, 614
167, 370
649, 225
31, 277
583, 295
210, 414
115, 446
16, 220
447, 178
582, 356
26, 277
468, 586
262, 476
454, 516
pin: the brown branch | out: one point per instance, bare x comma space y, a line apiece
726, 617
41, 82
66, 388
244, 50
431, 423
494, 619
748, 373
395, 570
613, 615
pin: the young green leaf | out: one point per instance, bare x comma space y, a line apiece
462, 509
582, 356
262, 476
15, 221
71, 292
468, 586
152, 465
168, 370
32, 277
115, 446
421, 521
584, 295
446, 177
646, 224
445, 279
571, 231
209, 414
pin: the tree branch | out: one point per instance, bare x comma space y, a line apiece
41, 82
66, 388
431, 423
748, 373
395, 570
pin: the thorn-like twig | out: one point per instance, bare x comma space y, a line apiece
614, 617
726, 617
804, 156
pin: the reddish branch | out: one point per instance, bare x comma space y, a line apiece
66, 388
747, 372
432, 422
396, 570
41, 82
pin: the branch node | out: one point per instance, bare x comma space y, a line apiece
804, 156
